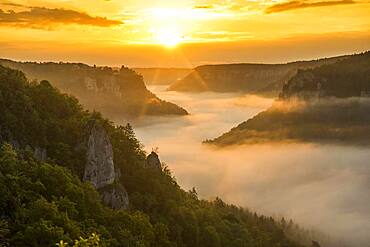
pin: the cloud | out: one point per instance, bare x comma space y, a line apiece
222, 35
46, 18
13, 4
280, 7
203, 7
216, 5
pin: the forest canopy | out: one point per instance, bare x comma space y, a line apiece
327, 104
44, 200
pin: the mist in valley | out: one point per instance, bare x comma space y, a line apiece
201, 123
321, 186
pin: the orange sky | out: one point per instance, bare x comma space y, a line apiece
181, 33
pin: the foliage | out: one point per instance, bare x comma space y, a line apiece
113, 92
92, 241
44, 202
349, 77
342, 116
344, 121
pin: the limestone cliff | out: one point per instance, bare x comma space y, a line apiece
249, 78
325, 104
343, 79
115, 196
153, 161
39, 153
114, 92
100, 169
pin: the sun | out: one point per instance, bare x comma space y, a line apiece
168, 37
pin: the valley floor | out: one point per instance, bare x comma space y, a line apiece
316, 185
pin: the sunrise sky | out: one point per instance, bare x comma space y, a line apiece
180, 33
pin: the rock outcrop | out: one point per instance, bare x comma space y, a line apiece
115, 196
304, 86
153, 161
40, 153
327, 104
111, 91
100, 169
344, 79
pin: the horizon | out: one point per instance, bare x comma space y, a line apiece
161, 67
257, 111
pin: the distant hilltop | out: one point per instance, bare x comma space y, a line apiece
328, 104
114, 92
267, 79
343, 79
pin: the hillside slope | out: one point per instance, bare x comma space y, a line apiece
344, 79
49, 192
326, 104
266, 79
113, 92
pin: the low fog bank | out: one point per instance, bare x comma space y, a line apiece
323, 186
324, 120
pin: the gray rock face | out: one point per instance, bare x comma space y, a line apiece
100, 170
153, 161
108, 84
247, 77
115, 196
304, 86
40, 153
